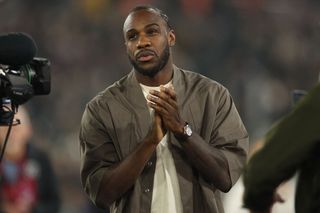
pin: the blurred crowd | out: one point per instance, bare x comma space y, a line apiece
260, 50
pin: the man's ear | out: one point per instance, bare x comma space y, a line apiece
171, 38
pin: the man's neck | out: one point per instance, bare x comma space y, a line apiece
161, 78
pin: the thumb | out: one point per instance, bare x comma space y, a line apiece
158, 122
157, 119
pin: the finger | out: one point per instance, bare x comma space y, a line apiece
158, 109
157, 119
169, 91
169, 106
156, 95
160, 94
278, 198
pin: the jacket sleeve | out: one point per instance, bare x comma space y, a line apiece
287, 145
229, 134
97, 150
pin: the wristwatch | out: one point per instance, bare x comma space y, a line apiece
187, 132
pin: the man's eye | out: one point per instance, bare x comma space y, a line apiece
132, 37
152, 31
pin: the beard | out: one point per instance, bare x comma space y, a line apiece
152, 71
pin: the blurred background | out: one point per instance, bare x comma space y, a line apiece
260, 50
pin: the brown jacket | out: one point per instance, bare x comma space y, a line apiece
117, 119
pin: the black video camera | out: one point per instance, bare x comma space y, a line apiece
21, 77
21, 74
19, 85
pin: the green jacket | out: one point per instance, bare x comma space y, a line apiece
291, 145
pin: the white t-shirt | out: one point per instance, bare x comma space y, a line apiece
166, 191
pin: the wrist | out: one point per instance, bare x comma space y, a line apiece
184, 132
179, 129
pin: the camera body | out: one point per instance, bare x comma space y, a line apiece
19, 84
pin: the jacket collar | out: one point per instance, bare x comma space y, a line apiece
134, 93
138, 102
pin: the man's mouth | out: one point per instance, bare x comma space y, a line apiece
145, 55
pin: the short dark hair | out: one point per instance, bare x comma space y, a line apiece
157, 10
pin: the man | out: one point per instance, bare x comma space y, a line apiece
161, 139
291, 145
27, 180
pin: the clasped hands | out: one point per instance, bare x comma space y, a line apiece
167, 115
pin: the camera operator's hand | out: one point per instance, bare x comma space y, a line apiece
276, 199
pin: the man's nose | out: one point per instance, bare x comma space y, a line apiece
143, 42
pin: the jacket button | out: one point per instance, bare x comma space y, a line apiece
147, 190
149, 164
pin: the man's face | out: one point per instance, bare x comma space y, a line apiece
148, 41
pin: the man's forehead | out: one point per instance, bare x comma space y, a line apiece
141, 18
